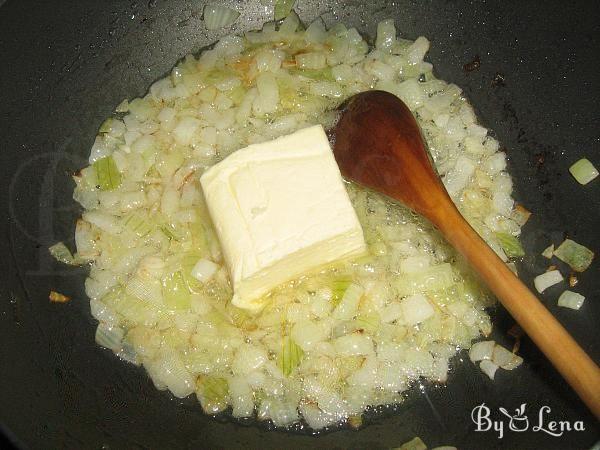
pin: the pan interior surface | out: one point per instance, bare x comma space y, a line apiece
66, 67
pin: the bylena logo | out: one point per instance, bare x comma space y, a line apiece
520, 421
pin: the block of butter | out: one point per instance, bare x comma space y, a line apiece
280, 209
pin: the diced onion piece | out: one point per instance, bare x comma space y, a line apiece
145, 288
307, 334
311, 60
241, 396
548, 252
570, 299
511, 245
488, 367
353, 345
109, 337
386, 35
174, 375
62, 254
575, 255
515, 362
520, 214
413, 444
481, 351
217, 16
545, 280
457, 178
583, 171
283, 8
413, 264
416, 309
315, 418
501, 356
348, 306
248, 357
316, 32
417, 50
204, 270
123, 106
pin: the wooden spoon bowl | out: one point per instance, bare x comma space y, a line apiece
378, 144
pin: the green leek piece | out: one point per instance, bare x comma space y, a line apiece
338, 288
109, 177
213, 393
314, 74
511, 245
575, 255
290, 356
283, 8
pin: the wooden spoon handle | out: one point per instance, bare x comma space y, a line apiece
566, 355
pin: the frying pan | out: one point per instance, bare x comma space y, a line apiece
65, 65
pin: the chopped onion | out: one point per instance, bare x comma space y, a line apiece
329, 343
241, 396
110, 337
489, 368
61, 253
545, 280
501, 356
281, 413
217, 16
414, 444
316, 32
311, 60
583, 171
307, 334
414, 264
515, 362
457, 179
481, 351
349, 304
248, 358
123, 106
570, 299
386, 35
353, 344
548, 252
575, 255
315, 418
417, 50
204, 270
416, 309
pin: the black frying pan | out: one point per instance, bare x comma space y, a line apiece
63, 68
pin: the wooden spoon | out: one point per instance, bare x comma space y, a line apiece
378, 143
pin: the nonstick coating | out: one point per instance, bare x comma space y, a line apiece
63, 68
